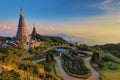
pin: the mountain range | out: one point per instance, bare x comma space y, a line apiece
73, 39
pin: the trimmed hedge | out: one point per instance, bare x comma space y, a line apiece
84, 76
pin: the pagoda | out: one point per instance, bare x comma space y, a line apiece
34, 42
34, 32
22, 34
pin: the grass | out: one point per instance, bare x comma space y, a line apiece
52, 66
102, 77
111, 74
102, 54
106, 73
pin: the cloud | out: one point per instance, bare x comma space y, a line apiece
119, 3
102, 29
8, 27
110, 5
5, 27
107, 1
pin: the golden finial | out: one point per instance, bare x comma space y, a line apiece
21, 13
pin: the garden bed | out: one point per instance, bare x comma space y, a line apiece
75, 67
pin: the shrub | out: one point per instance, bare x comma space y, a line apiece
10, 75
95, 57
49, 57
112, 66
29, 66
32, 50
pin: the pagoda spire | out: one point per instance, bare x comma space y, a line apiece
22, 34
34, 32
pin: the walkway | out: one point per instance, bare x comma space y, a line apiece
94, 73
64, 75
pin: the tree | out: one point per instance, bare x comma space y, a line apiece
95, 57
52, 57
100, 62
49, 57
32, 51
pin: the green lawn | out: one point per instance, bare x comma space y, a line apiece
111, 74
111, 56
106, 73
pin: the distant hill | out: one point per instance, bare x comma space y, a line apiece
110, 47
70, 38
114, 49
73, 39
4, 38
46, 38
49, 38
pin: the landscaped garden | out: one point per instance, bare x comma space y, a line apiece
40, 54
75, 66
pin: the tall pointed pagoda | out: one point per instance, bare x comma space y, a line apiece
34, 32
22, 35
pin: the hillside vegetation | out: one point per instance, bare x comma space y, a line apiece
13, 68
106, 64
113, 49
4, 38
50, 39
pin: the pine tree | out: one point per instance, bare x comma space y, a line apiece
52, 57
49, 57
95, 57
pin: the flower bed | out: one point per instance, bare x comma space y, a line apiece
75, 67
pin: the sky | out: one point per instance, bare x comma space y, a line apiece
97, 21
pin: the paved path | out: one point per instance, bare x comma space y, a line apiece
39, 60
64, 75
94, 73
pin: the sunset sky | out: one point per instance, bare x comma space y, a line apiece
95, 20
